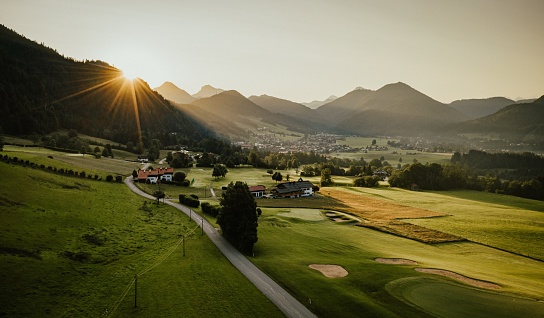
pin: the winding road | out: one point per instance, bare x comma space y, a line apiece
281, 298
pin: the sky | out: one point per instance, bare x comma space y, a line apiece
302, 50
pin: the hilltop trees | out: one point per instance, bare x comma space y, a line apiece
238, 217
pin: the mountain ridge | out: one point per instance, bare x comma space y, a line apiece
207, 91
172, 92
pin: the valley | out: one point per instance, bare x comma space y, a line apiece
378, 202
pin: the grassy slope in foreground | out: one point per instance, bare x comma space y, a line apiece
506, 222
48, 219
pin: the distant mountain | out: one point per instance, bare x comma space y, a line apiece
519, 122
207, 91
316, 103
525, 101
286, 107
238, 111
345, 106
393, 109
174, 93
476, 108
42, 92
221, 126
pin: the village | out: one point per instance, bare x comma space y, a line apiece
321, 143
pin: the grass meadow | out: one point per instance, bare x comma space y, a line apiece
78, 162
70, 247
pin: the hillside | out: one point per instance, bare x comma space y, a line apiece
519, 122
476, 108
174, 93
286, 107
345, 106
42, 91
237, 110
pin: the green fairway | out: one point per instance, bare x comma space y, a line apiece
451, 300
287, 246
70, 247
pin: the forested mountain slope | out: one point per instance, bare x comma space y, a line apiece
42, 91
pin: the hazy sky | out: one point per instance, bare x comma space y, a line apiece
302, 50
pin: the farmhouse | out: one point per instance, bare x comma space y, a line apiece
297, 189
257, 191
153, 175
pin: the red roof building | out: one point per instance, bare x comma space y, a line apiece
257, 191
152, 176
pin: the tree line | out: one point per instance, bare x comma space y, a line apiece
456, 176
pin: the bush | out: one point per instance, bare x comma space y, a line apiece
194, 196
210, 209
185, 183
366, 181
109, 178
192, 202
189, 201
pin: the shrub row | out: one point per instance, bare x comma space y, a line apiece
61, 171
189, 200
210, 209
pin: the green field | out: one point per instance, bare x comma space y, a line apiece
69, 247
408, 156
79, 162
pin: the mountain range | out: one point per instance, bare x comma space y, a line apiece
316, 103
42, 91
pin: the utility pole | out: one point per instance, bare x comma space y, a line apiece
135, 289
202, 226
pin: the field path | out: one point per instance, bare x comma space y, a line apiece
281, 298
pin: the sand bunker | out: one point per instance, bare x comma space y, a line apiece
459, 277
395, 261
332, 271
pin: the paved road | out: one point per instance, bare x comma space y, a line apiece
281, 298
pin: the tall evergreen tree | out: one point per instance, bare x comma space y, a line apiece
238, 217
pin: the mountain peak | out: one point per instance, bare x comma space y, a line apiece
207, 91
171, 92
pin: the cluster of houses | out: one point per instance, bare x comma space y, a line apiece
293, 189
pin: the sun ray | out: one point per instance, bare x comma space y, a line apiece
137, 116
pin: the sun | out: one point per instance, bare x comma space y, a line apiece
129, 75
